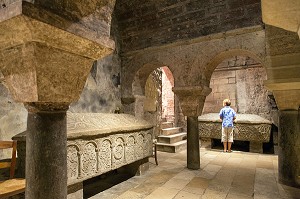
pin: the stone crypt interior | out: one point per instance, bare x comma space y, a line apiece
90, 90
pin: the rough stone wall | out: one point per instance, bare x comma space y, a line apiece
241, 80
158, 22
101, 93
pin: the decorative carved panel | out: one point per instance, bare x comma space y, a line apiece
72, 161
89, 159
104, 159
247, 128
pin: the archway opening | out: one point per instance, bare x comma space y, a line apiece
159, 102
240, 78
168, 100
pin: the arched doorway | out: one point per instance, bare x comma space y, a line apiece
168, 100
159, 99
240, 77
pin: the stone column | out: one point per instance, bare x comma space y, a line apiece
193, 154
289, 148
286, 93
46, 151
191, 99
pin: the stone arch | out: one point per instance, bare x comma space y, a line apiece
141, 76
244, 86
215, 61
147, 93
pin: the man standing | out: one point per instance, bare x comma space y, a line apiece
227, 115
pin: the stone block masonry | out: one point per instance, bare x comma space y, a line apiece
160, 22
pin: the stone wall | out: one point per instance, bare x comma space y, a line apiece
102, 89
160, 22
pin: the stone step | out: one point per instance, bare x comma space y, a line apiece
165, 125
170, 139
170, 131
171, 148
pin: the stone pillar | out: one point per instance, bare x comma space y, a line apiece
191, 99
193, 155
289, 148
46, 151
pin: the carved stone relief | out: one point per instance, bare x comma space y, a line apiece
98, 143
247, 128
91, 157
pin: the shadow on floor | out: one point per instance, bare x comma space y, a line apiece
105, 181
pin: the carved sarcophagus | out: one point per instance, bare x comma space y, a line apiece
247, 127
98, 143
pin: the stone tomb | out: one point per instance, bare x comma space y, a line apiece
247, 127
98, 143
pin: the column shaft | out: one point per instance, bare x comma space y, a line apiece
193, 151
46, 155
289, 148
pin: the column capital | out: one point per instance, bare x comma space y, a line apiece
46, 61
286, 92
192, 98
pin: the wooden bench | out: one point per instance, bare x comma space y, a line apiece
11, 186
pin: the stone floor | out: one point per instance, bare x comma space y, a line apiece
236, 175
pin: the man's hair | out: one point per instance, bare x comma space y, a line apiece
226, 102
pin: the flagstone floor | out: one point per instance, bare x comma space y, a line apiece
236, 175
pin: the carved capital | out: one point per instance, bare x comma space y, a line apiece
286, 92
43, 60
192, 98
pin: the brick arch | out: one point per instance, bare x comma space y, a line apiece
214, 62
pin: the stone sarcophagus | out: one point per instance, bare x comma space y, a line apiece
247, 127
98, 143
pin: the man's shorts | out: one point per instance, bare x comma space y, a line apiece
227, 134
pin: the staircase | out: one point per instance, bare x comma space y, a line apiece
171, 140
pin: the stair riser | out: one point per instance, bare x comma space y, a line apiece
171, 140
170, 131
166, 125
171, 149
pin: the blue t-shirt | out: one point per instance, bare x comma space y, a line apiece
227, 114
